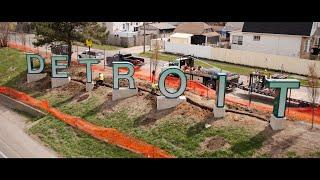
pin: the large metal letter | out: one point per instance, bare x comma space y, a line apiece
30, 58
88, 63
281, 86
162, 86
220, 89
56, 65
129, 75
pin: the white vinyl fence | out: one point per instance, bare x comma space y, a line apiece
189, 49
254, 59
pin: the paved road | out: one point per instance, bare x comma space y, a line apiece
14, 142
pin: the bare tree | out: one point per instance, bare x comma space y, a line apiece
4, 33
154, 60
23, 38
313, 92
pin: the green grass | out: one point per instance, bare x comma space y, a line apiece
179, 136
101, 47
292, 154
64, 139
182, 137
12, 65
69, 141
161, 56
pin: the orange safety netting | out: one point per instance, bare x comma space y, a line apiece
109, 135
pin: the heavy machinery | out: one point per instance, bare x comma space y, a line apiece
257, 84
136, 61
204, 76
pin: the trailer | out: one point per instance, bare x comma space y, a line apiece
205, 76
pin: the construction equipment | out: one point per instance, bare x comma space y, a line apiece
204, 76
257, 82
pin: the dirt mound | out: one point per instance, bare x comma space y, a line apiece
41, 85
83, 97
186, 109
215, 143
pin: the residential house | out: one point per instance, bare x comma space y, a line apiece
123, 29
180, 38
160, 30
230, 27
279, 38
203, 34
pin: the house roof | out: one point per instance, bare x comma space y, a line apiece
181, 35
163, 25
195, 28
217, 28
317, 32
211, 34
233, 26
288, 28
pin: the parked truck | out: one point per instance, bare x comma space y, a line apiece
136, 61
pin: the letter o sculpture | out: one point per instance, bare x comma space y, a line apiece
183, 82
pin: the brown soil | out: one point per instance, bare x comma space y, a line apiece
214, 143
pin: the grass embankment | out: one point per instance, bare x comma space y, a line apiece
98, 46
180, 134
64, 139
239, 69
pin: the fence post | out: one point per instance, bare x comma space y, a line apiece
104, 59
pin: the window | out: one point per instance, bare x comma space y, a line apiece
256, 38
135, 29
237, 40
123, 26
306, 45
136, 24
316, 41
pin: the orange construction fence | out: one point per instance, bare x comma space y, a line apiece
110, 135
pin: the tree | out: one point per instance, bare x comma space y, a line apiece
154, 61
66, 32
96, 32
5, 28
313, 81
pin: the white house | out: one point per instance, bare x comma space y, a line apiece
181, 38
123, 29
280, 38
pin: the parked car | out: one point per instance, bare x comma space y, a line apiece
91, 54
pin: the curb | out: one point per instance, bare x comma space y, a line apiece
17, 105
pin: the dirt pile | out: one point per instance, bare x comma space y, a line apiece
215, 143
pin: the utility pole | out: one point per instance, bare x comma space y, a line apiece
144, 37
